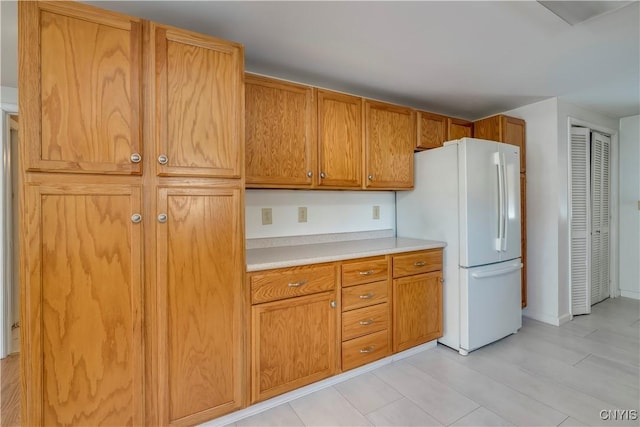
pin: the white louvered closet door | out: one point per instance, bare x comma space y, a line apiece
600, 147
579, 221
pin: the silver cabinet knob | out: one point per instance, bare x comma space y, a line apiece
162, 159
442, 280
323, 175
309, 174
162, 218
136, 218
370, 177
135, 158
333, 304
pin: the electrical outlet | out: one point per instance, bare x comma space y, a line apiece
376, 212
302, 214
267, 218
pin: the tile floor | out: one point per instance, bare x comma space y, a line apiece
542, 376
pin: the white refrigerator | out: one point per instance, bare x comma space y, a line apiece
467, 193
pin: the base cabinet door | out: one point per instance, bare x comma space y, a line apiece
417, 310
83, 360
293, 344
199, 276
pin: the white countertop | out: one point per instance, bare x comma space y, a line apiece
290, 256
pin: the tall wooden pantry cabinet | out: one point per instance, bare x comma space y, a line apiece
131, 203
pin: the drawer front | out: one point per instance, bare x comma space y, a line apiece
365, 271
360, 351
417, 263
364, 295
284, 283
363, 321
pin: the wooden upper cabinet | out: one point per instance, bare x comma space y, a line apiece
200, 265
279, 133
390, 135
83, 306
198, 104
432, 130
339, 140
80, 71
505, 129
458, 128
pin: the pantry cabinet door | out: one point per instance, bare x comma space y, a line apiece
81, 90
83, 359
199, 277
198, 101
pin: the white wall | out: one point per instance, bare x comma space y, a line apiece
327, 212
8, 104
629, 214
565, 111
542, 208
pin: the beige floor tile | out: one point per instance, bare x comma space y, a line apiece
616, 372
327, 408
571, 422
482, 417
367, 392
402, 412
282, 415
437, 398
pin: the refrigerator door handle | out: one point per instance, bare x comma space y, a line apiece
497, 160
505, 203
499, 272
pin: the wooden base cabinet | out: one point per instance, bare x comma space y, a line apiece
417, 298
294, 321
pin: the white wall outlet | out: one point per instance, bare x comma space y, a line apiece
267, 217
376, 212
302, 214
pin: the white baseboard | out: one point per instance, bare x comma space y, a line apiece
311, 388
545, 318
629, 294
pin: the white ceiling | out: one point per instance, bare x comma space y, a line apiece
468, 59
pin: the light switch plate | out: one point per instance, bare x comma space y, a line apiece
376, 212
302, 214
267, 217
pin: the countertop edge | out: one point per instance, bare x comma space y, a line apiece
342, 256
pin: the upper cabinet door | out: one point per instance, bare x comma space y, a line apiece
198, 99
81, 70
459, 129
279, 131
339, 140
513, 132
390, 136
432, 130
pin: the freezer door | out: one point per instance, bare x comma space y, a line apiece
479, 202
490, 304
511, 248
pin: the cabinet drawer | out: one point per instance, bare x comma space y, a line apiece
359, 351
284, 283
417, 263
364, 321
365, 271
364, 295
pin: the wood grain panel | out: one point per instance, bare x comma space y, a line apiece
339, 140
81, 70
366, 349
417, 262
290, 282
390, 135
432, 130
366, 320
293, 344
364, 295
199, 277
458, 128
417, 310
83, 306
198, 104
279, 133
488, 128
514, 133
364, 271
